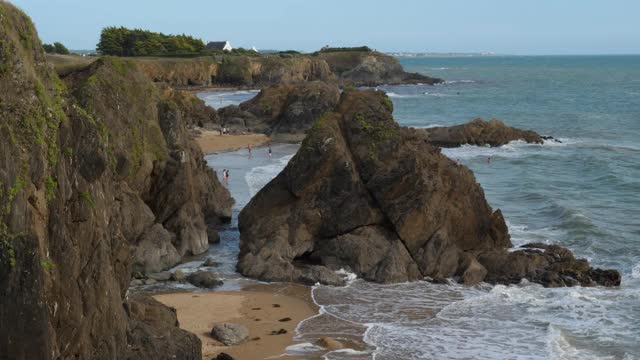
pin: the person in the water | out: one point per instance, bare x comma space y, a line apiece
270, 154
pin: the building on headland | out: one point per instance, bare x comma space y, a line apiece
219, 45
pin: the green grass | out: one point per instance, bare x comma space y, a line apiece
86, 196
51, 188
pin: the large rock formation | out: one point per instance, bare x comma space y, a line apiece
285, 112
479, 132
234, 70
364, 194
348, 67
370, 68
83, 168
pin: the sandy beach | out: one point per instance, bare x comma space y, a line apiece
261, 308
212, 142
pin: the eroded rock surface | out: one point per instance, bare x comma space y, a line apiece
366, 195
83, 164
285, 112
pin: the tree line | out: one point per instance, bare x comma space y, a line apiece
55, 48
120, 41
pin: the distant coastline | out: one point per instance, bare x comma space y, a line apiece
434, 54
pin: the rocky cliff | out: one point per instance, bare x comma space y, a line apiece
234, 70
357, 68
285, 111
370, 68
365, 194
479, 132
96, 177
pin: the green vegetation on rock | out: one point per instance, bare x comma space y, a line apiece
86, 196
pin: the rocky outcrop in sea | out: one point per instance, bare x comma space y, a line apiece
368, 196
479, 132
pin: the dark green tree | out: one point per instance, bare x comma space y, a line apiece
60, 49
48, 48
120, 41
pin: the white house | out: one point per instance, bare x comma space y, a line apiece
219, 45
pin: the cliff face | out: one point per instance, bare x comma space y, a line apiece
85, 165
358, 68
240, 71
371, 68
364, 194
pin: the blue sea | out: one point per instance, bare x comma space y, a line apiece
582, 193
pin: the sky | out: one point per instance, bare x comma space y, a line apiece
501, 26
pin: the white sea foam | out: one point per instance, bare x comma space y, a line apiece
435, 94
259, 176
462, 81
635, 272
446, 68
302, 348
391, 94
428, 126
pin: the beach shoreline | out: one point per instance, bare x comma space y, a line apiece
211, 142
261, 308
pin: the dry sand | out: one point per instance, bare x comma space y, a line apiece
212, 142
258, 307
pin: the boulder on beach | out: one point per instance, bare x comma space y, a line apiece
230, 334
366, 195
204, 279
479, 132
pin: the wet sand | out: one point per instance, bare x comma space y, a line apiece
259, 307
211, 141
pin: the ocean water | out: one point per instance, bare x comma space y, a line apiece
583, 193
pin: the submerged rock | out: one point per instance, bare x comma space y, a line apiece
178, 275
479, 132
204, 279
230, 334
366, 195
